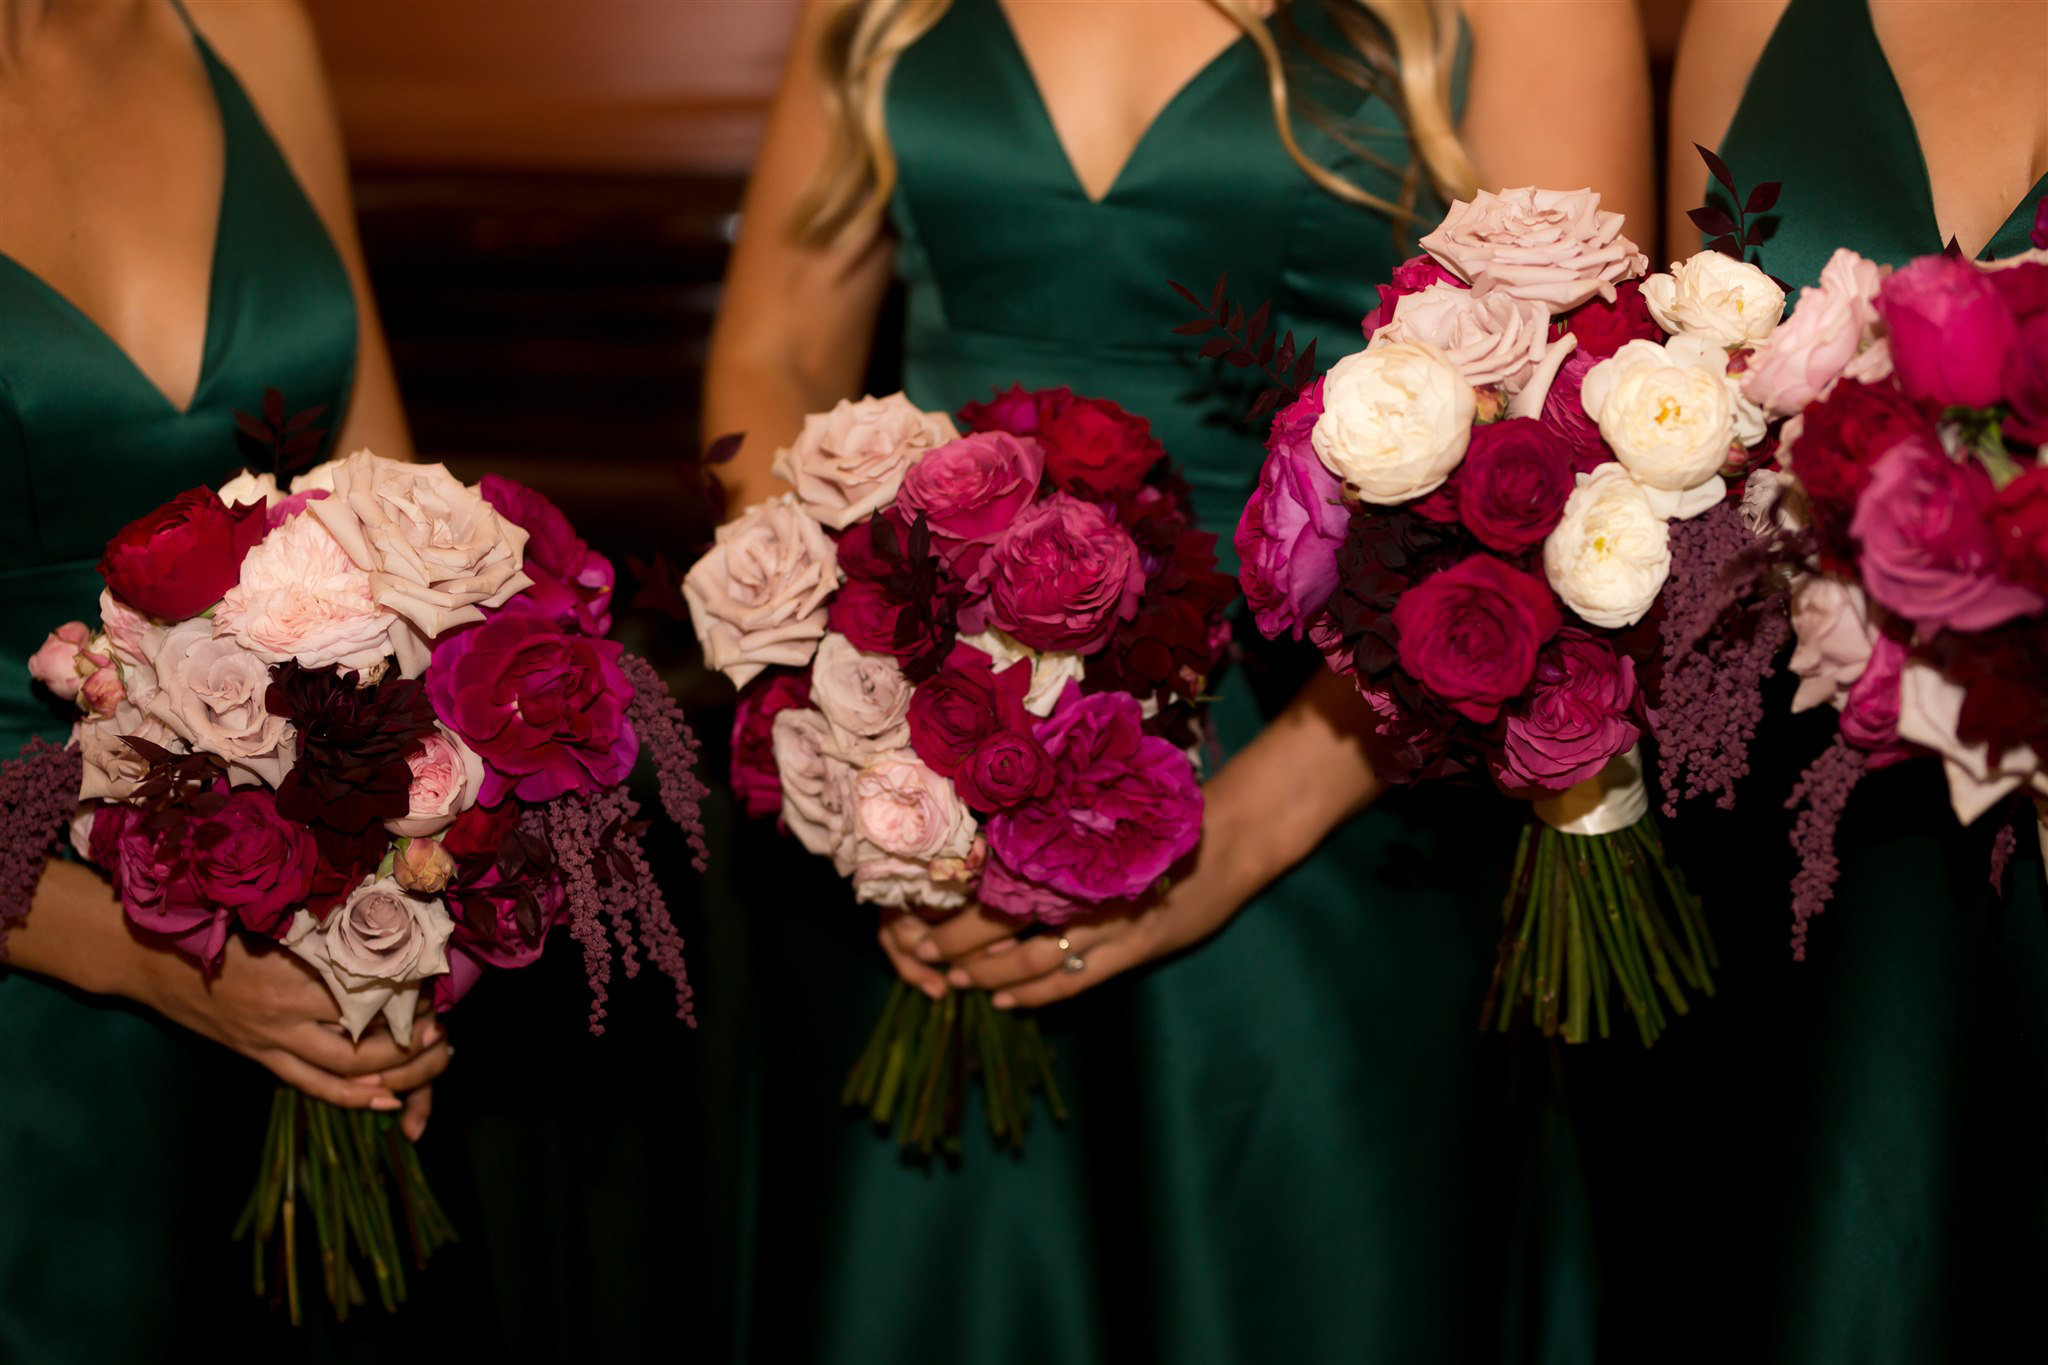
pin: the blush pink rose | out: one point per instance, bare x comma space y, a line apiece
817, 784
446, 777
1554, 247
1929, 549
1833, 637
968, 491
757, 598
865, 696
301, 597
1060, 578
1492, 338
1949, 329
1412, 276
906, 810
1811, 349
211, 693
374, 951
113, 768
848, 463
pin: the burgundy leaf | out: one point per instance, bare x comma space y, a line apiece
1712, 220
1193, 329
723, 448
1215, 346
1717, 167
1186, 293
1216, 297
1256, 328
273, 407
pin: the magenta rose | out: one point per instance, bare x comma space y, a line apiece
248, 859
1016, 410
1059, 579
1870, 711
2026, 381
1470, 634
1579, 714
1564, 412
968, 490
1950, 331
1412, 276
963, 704
545, 710
1094, 449
1929, 550
755, 778
1288, 537
1124, 806
1007, 893
572, 583
1004, 770
1513, 482
149, 859
1604, 328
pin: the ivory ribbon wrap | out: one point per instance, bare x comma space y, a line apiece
1614, 800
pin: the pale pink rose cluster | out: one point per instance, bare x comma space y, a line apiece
1833, 333
1553, 247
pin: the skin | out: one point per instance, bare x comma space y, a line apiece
118, 85
1983, 125
794, 334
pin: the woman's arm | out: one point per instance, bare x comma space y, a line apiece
1717, 50
274, 52
796, 322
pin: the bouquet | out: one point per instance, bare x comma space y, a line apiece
970, 668
372, 719
1904, 522
1488, 519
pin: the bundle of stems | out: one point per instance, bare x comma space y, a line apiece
1589, 915
356, 1179
924, 1054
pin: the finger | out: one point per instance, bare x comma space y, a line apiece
1032, 957
1114, 954
924, 978
968, 932
418, 1105
419, 1070
330, 1051
325, 1085
909, 931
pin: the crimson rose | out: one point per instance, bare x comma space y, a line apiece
247, 858
968, 490
961, 705
1579, 714
1471, 633
755, 778
1604, 328
1094, 449
1841, 437
1060, 578
183, 557
1513, 482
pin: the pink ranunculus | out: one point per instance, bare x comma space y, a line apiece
447, 775
1833, 636
1870, 707
848, 463
1059, 578
1513, 483
1492, 338
1553, 246
817, 784
1471, 633
544, 710
1810, 350
1950, 331
211, 693
755, 780
1288, 537
572, 583
374, 951
907, 811
55, 665
865, 697
1412, 276
757, 598
438, 555
248, 859
1579, 714
301, 597
1124, 807
1929, 551
969, 490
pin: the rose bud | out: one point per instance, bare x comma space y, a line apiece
422, 866
102, 692
55, 665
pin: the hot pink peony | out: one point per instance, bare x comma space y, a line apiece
1929, 551
1579, 714
1288, 537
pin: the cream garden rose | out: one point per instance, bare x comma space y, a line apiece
1050, 673
1492, 338
864, 696
1396, 420
1610, 553
1716, 298
1667, 413
906, 810
301, 597
758, 597
374, 951
1555, 247
848, 463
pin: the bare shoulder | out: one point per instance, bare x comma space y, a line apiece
1550, 25
1720, 46
274, 51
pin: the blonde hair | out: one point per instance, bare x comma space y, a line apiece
1403, 51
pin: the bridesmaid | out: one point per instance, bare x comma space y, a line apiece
1284, 1140
173, 241
1866, 1132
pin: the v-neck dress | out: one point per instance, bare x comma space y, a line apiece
1858, 1162
126, 1142
1288, 1143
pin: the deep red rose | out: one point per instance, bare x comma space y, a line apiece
755, 778
248, 859
1094, 449
878, 622
1842, 437
961, 705
2019, 523
183, 557
1174, 643
479, 831
1471, 633
572, 583
1604, 328
1016, 410
1005, 770
1513, 482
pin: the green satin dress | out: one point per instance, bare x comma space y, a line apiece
1857, 1167
128, 1143
1290, 1143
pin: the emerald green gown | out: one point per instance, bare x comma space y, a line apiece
1850, 1155
1290, 1143
128, 1143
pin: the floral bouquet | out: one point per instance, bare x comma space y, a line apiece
372, 719
1905, 521
1484, 518
970, 669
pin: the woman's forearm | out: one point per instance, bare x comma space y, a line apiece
74, 931
765, 404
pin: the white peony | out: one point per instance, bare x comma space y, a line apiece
1610, 553
1668, 414
1050, 673
249, 486
1395, 422
1717, 298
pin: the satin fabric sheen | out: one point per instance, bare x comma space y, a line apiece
1853, 1164
1290, 1143
127, 1142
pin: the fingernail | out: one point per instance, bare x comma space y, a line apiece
935, 990
928, 951
1003, 1000
960, 980
1000, 946
429, 1031
386, 1104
